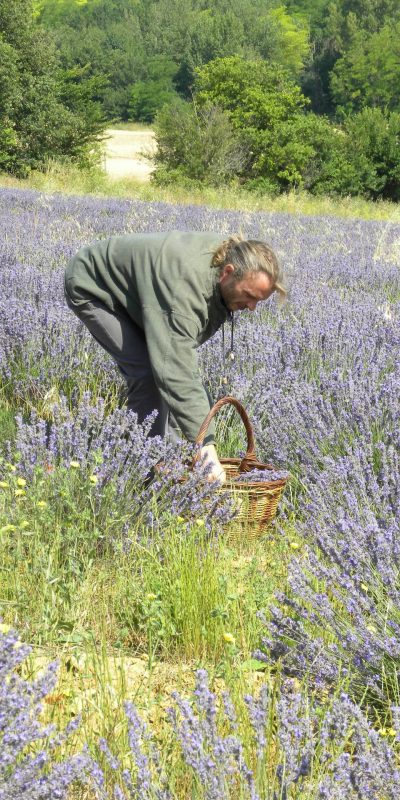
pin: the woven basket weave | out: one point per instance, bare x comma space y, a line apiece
256, 501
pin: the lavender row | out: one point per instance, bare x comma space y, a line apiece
312, 747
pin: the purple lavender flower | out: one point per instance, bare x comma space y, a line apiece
216, 761
27, 767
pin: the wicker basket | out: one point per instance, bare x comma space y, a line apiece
256, 501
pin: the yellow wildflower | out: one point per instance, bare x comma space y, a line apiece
364, 587
93, 479
41, 504
294, 545
180, 519
24, 524
387, 731
19, 493
11, 467
74, 464
4, 485
229, 638
21, 482
4, 628
151, 596
200, 523
8, 529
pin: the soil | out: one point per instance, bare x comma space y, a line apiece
125, 153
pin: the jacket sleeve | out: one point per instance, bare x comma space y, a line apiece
171, 342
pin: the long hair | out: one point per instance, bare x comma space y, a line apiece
249, 256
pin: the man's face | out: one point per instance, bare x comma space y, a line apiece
238, 295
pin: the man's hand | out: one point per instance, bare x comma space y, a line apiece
208, 455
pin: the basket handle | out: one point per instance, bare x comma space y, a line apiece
246, 465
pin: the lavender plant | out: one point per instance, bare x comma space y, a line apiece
342, 616
304, 747
29, 767
117, 455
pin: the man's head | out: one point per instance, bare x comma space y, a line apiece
248, 273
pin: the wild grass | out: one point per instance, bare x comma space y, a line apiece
69, 179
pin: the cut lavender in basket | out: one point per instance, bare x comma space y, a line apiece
262, 476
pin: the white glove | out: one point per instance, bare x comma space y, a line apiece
208, 455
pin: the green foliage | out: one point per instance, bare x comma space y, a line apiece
149, 95
368, 161
117, 38
345, 17
373, 147
198, 144
296, 154
104, 36
43, 112
368, 74
313, 11
348, 31
252, 69
266, 110
289, 37
256, 109
255, 93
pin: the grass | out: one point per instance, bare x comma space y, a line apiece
171, 598
127, 623
70, 180
128, 126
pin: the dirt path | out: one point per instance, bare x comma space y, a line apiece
123, 153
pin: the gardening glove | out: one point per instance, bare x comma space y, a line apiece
208, 455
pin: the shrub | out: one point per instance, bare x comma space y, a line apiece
367, 160
198, 143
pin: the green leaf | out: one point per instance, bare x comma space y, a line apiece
253, 665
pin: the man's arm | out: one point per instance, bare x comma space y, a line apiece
171, 342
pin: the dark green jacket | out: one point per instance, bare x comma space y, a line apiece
166, 284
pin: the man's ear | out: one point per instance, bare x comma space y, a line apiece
225, 273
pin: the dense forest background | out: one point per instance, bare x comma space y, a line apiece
273, 95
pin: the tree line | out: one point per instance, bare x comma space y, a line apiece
274, 95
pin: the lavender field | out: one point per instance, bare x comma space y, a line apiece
189, 667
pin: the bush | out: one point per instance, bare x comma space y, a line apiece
199, 144
367, 162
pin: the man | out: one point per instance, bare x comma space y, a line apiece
151, 300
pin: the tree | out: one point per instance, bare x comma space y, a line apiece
368, 74
149, 95
373, 138
116, 38
104, 37
43, 112
251, 116
255, 93
263, 104
346, 17
288, 40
